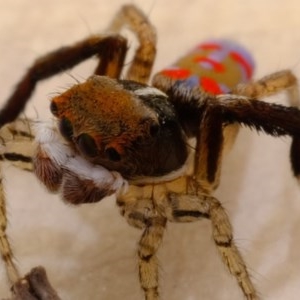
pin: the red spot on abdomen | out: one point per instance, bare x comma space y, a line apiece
243, 62
210, 85
176, 73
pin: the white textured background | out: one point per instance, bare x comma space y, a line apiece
89, 252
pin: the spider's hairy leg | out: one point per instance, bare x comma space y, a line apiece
148, 262
16, 147
110, 49
141, 214
273, 119
209, 150
194, 206
17, 144
139, 24
272, 84
5, 247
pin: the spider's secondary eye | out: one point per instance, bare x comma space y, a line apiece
87, 145
54, 108
112, 154
66, 128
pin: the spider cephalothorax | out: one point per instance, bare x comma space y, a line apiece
159, 148
125, 126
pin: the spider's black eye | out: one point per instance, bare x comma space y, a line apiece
154, 129
87, 146
112, 154
54, 108
66, 128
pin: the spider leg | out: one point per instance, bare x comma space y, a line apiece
272, 84
273, 119
110, 49
16, 147
276, 120
148, 262
5, 247
209, 150
194, 206
16, 142
141, 214
142, 62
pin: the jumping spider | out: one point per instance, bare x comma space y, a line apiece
159, 148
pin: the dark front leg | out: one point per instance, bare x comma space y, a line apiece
110, 49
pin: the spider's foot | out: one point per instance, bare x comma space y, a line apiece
34, 286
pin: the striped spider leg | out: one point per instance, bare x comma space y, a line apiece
12, 141
17, 148
159, 147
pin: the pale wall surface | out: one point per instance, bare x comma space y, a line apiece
89, 252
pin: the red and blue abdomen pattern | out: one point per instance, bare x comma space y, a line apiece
216, 66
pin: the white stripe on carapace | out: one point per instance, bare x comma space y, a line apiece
149, 91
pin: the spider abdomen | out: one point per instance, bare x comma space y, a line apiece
215, 66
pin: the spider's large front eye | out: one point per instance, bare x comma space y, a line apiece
112, 154
87, 146
66, 128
